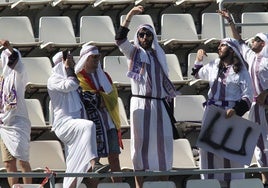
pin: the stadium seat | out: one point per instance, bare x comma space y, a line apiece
159, 184
144, 2
36, 116
38, 71
203, 183
98, 31
63, 33
211, 22
246, 183
27, 186
124, 157
192, 2
175, 73
113, 185
22, 4
25, 40
47, 153
182, 155
4, 4
117, 68
248, 32
179, 35
123, 115
136, 21
60, 185
71, 3
112, 3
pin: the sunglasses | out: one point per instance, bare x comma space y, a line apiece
257, 39
147, 33
95, 56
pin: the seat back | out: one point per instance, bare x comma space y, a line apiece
123, 114
60, 185
114, 185
182, 155
159, 184
35, 113
254, 17
97, 28
174, 67
203, 183
27, 186
10, 25
136, 21
56, 29
185, 30
246, 183
47, 153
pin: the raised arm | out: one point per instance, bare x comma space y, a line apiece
135, 10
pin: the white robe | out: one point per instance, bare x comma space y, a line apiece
235, 87
16, 127
151, 131
77, 134
258, 69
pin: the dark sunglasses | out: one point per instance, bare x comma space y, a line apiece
257, 39
95, 56
147, 33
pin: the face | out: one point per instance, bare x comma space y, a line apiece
223, 50
145, 38
257, 45
92, 63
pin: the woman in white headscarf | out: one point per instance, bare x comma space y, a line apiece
231, 90
70, 122
151, 129
15, 125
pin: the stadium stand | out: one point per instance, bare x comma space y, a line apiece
159, 184
246, 183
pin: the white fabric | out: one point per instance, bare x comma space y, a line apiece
264, 37
16, 128
85, 52
151, 132
78, 135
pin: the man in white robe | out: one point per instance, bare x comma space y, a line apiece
151, 129
70, 123
15, 125
257, 58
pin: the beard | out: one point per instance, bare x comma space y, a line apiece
146, 44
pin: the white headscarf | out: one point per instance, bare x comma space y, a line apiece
264, 37
234, 44
159, 51
84, 53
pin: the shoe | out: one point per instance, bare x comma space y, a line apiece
100, 168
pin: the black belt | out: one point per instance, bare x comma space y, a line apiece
147, 97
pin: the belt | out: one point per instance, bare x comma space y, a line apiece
219, 103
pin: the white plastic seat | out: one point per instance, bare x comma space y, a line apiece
38, 71
27, 186
246, 183
62, 3
136, 21
123, 115
114, 185
124, 157
211, 22
47, 153
171, 2
10, 25
63, 32
111, 3
176, 35
203, 183
184, 2
98, 31
248, 32
21, 4
117, 68
159, 184
175, 73
60, 185
182, 155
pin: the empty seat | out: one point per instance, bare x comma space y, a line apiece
124, 157
98, 31
38, 71
248, 32
159, 184
192, 2
62, 3
117, 68
246, 183
203, 183
22, 4
211, 22
171, 2
113, 185
47, 153
112, 3
182, 155
123, 115
175, 73
60, 185
27, 186
10, 25
63, 32
178, 30
136, 21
